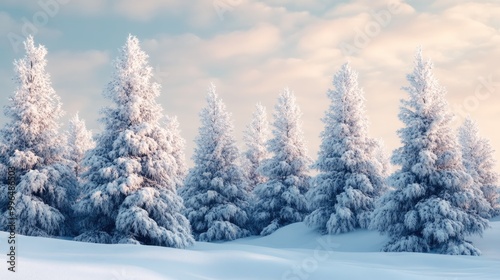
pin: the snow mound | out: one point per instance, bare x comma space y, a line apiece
299, 236
292, 252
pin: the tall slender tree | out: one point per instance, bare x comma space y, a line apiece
429, 210
215, 191
351, 176
131, 179
32, 146
177, 146
383, 158
477, 156
79, 142
256, 135
281, 199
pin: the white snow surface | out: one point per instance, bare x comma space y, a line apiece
352, 255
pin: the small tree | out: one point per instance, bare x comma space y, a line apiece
79, 142
131, 180
477, 156
430, 208
31, 144
280, 200
215, 192
177, 146
382, 158
350, 164
256, 136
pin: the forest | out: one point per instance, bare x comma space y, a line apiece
130, 184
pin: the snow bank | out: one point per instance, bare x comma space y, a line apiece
293, 252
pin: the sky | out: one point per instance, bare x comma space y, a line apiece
252, 49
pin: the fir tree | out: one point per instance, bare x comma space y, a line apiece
177, 146
79, 142
383, 159
350, 175
429, 210
280, 200
477, 156
215, 193
131, 179
256, 136
31, 144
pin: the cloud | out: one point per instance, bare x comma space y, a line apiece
147, 9
259, 47
185, 51
15, 30
79, 78
86, 8
252, 65
71, 66
257, 41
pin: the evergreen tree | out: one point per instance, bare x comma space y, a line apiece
79, 142
429, 210
383, 159
477, 156
350, 175
215, 192
177, 144
31, 144
256, 136
131, 179
280, 200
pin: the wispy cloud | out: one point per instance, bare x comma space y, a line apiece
261, 46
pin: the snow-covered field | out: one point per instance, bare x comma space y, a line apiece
293, 252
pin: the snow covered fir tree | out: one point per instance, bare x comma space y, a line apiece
177, 144
429, 209
281, 199
131, 181
215, 191
351, 174
256, 136
477, 156
33, 147
79, 142
130, 184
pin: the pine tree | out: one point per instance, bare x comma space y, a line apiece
256, 136
477, 156
131, 179
31, 144
429, 210
215, 192
350, 175
383, 159
281, 199
177, 144
79, 142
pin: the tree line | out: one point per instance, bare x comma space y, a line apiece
130, 183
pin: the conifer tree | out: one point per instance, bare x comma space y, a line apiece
130, 183
477, 156
79, 142
383, 158
351, 176
177, 146
281, 199
430, 207
256, 136
215, 192
32, 146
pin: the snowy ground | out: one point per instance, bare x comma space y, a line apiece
294, 252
